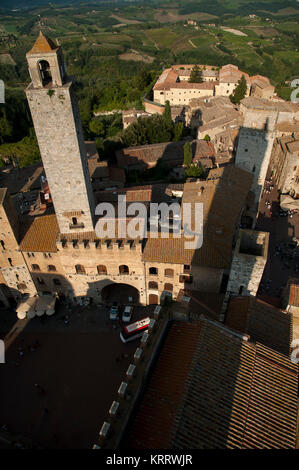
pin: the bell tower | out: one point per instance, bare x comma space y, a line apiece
55, 113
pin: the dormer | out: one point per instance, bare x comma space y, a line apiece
46, 63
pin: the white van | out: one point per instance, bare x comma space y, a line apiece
127, 314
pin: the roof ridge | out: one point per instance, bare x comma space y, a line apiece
43, 44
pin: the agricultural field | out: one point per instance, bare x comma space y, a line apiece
117, 50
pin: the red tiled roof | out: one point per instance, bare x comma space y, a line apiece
43, 44
212, 389
155, 420
169, 152
40, 235
223, 196
263, 322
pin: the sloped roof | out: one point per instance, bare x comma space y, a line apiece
170, 79
168, 151
43, 44
264, 323
223, 195
40, 235
212, 389
198, 303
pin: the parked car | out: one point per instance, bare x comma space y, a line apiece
127, 314
113, 314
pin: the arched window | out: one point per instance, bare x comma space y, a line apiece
168, 273
153, 285
168, 287
102, 269
123, 269
80, 269
153, 270
51, 267
45, 72
35, 267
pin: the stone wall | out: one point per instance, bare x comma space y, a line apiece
249, 260
180, 96
60, 137
253, 154
12, 263
152, 108
90, 257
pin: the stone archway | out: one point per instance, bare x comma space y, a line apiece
120, 293
45, 72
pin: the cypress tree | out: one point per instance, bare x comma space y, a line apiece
187, 154
196, 75
240, 91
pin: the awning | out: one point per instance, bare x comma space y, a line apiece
38, 305
26, 308
45, 305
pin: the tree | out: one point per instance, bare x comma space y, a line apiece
196, 75
167, 114
25, 152
143, 79
97, 127
187, 154
178, 131
207, 138
194, 171
240, 91
149, 130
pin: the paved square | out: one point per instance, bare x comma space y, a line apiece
77, 367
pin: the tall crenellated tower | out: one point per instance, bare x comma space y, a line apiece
58, 128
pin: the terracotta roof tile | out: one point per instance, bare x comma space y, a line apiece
211, 389
223, 196
42, 45
264, 323
40, 234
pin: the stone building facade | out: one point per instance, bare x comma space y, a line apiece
284, 164
173, 84
61, 253
248, 264
13, 267
255, 143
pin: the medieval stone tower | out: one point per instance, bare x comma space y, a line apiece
58, 128
248, 264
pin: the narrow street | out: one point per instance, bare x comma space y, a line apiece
283, 255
